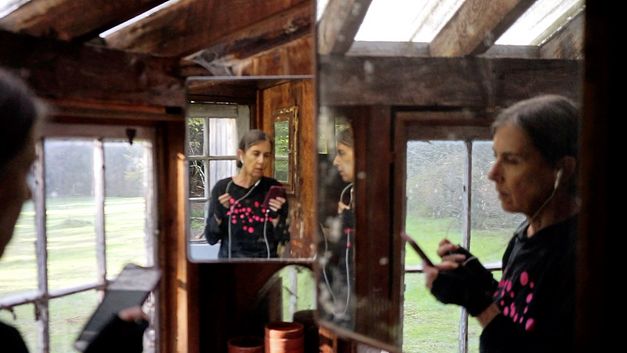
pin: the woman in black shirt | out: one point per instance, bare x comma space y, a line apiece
532, 308
245, 222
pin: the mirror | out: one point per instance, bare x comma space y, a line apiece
399, 72
243, 139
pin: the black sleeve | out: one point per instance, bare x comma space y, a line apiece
214, 231
502, 336
119, 336
11, 339
281, 231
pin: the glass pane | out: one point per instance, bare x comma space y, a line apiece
18, 270
434, 194
429, 326
68, 315
198, 215
223, 138
220, 170
125, 205
195, 136
70, 213
492, 228
197, 178
24, 322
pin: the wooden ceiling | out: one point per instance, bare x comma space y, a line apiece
56, 45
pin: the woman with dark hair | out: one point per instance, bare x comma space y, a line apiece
338, 257
19, 113
532, 308
242, 216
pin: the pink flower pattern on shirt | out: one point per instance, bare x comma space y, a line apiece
514, 296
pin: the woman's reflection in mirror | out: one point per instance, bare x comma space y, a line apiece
245, 222
338, 260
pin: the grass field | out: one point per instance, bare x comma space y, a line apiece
429, 326
71, 261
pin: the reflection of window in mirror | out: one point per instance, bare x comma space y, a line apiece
438, 171
213, 131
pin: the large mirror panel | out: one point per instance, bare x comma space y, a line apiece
245, 192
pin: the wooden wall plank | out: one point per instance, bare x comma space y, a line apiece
339, 25
476, 25
56, 69
69, 19
191, 25
439, 82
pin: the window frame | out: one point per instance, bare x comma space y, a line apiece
463, 126
41, 297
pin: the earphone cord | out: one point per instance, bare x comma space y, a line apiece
233, 207
346, 188
546, 202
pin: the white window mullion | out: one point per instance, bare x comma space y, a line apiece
467, 224
99, 193
41, 248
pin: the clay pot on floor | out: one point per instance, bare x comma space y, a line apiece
245, 344
284, 337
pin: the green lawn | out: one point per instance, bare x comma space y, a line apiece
71, 261
430, 326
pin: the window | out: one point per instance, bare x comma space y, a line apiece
439, 175
213, 132
93, 211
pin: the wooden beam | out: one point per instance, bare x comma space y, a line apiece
444, 82
69, 19
416, 49
264, 35
191, 25
293, 58
476, 25
567, 43
339, 24
63, 70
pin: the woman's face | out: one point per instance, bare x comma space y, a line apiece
14, 190
345, 162
524, 179
256, 158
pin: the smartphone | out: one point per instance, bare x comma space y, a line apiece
130, 288
416, 248
274, 192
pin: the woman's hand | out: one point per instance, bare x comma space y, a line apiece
276, 204
224, 200
431, 272
341, 206
134, 313
449, 252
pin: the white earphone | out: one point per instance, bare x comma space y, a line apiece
558, 178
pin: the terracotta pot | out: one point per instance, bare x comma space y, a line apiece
285, 337
281, 329
245, 344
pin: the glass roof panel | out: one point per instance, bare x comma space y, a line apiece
8, 6
542, 19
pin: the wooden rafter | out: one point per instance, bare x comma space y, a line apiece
482, 83
476, 25
339, 24
292, 58
69, 19
191, 25
567, 43
57, 69
264, 35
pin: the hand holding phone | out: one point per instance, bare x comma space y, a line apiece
416, 248
274, 192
